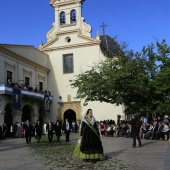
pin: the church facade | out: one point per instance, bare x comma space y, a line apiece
72, 50
69, 51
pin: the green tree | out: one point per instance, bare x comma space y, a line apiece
133, 79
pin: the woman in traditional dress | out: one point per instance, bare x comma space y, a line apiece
91, 146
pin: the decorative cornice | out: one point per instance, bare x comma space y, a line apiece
27, 72
41, 77
10, 65
87, 38
59, 3
10, 54
91, 42
85, 28
72, 46
53, 36
63, 103
68, 25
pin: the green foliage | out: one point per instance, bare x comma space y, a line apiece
140, 81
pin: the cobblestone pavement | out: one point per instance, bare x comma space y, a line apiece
154, 155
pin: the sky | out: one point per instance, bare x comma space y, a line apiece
136, 22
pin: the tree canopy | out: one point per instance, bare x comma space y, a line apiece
140, 81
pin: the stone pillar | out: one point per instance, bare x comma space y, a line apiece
35, 117
47, 117
2, 113
17, 116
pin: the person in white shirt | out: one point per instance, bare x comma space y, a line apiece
67, 128
165, 131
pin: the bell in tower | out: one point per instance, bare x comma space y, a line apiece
62, 18
73, 16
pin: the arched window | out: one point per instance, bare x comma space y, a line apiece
62, 18
73, 16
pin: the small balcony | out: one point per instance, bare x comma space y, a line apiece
6, 89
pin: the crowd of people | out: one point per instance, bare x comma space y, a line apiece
29, 129
27, 87
90, 145
154, 128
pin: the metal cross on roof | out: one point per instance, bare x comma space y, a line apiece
103, 26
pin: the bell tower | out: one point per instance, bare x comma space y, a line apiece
67, 13
68, 18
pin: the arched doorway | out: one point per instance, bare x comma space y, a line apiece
8, 117
70, 115
26, 113
41, 114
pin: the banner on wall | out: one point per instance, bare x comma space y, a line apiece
16, 98
47, 103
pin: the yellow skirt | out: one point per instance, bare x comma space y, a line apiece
79, 154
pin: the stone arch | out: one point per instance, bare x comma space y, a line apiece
27, 112
70, 115
62, 18
73, 16
8, 118
75, 106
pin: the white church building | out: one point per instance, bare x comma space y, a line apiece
69, 51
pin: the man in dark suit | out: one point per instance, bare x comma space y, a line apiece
14, 129
50, 129
135, 129
67, 128
155, 128
159, 131
28, 131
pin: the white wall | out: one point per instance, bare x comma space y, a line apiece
59, 84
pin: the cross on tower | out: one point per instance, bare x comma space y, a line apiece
103, 26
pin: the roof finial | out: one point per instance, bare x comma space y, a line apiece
103, 26
97, 35
41, 44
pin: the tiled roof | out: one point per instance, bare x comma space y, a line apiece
109, 44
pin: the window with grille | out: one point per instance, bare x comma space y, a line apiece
68, 66
9, 76
27, 81
41, 86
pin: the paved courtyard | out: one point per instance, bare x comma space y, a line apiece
154, 155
